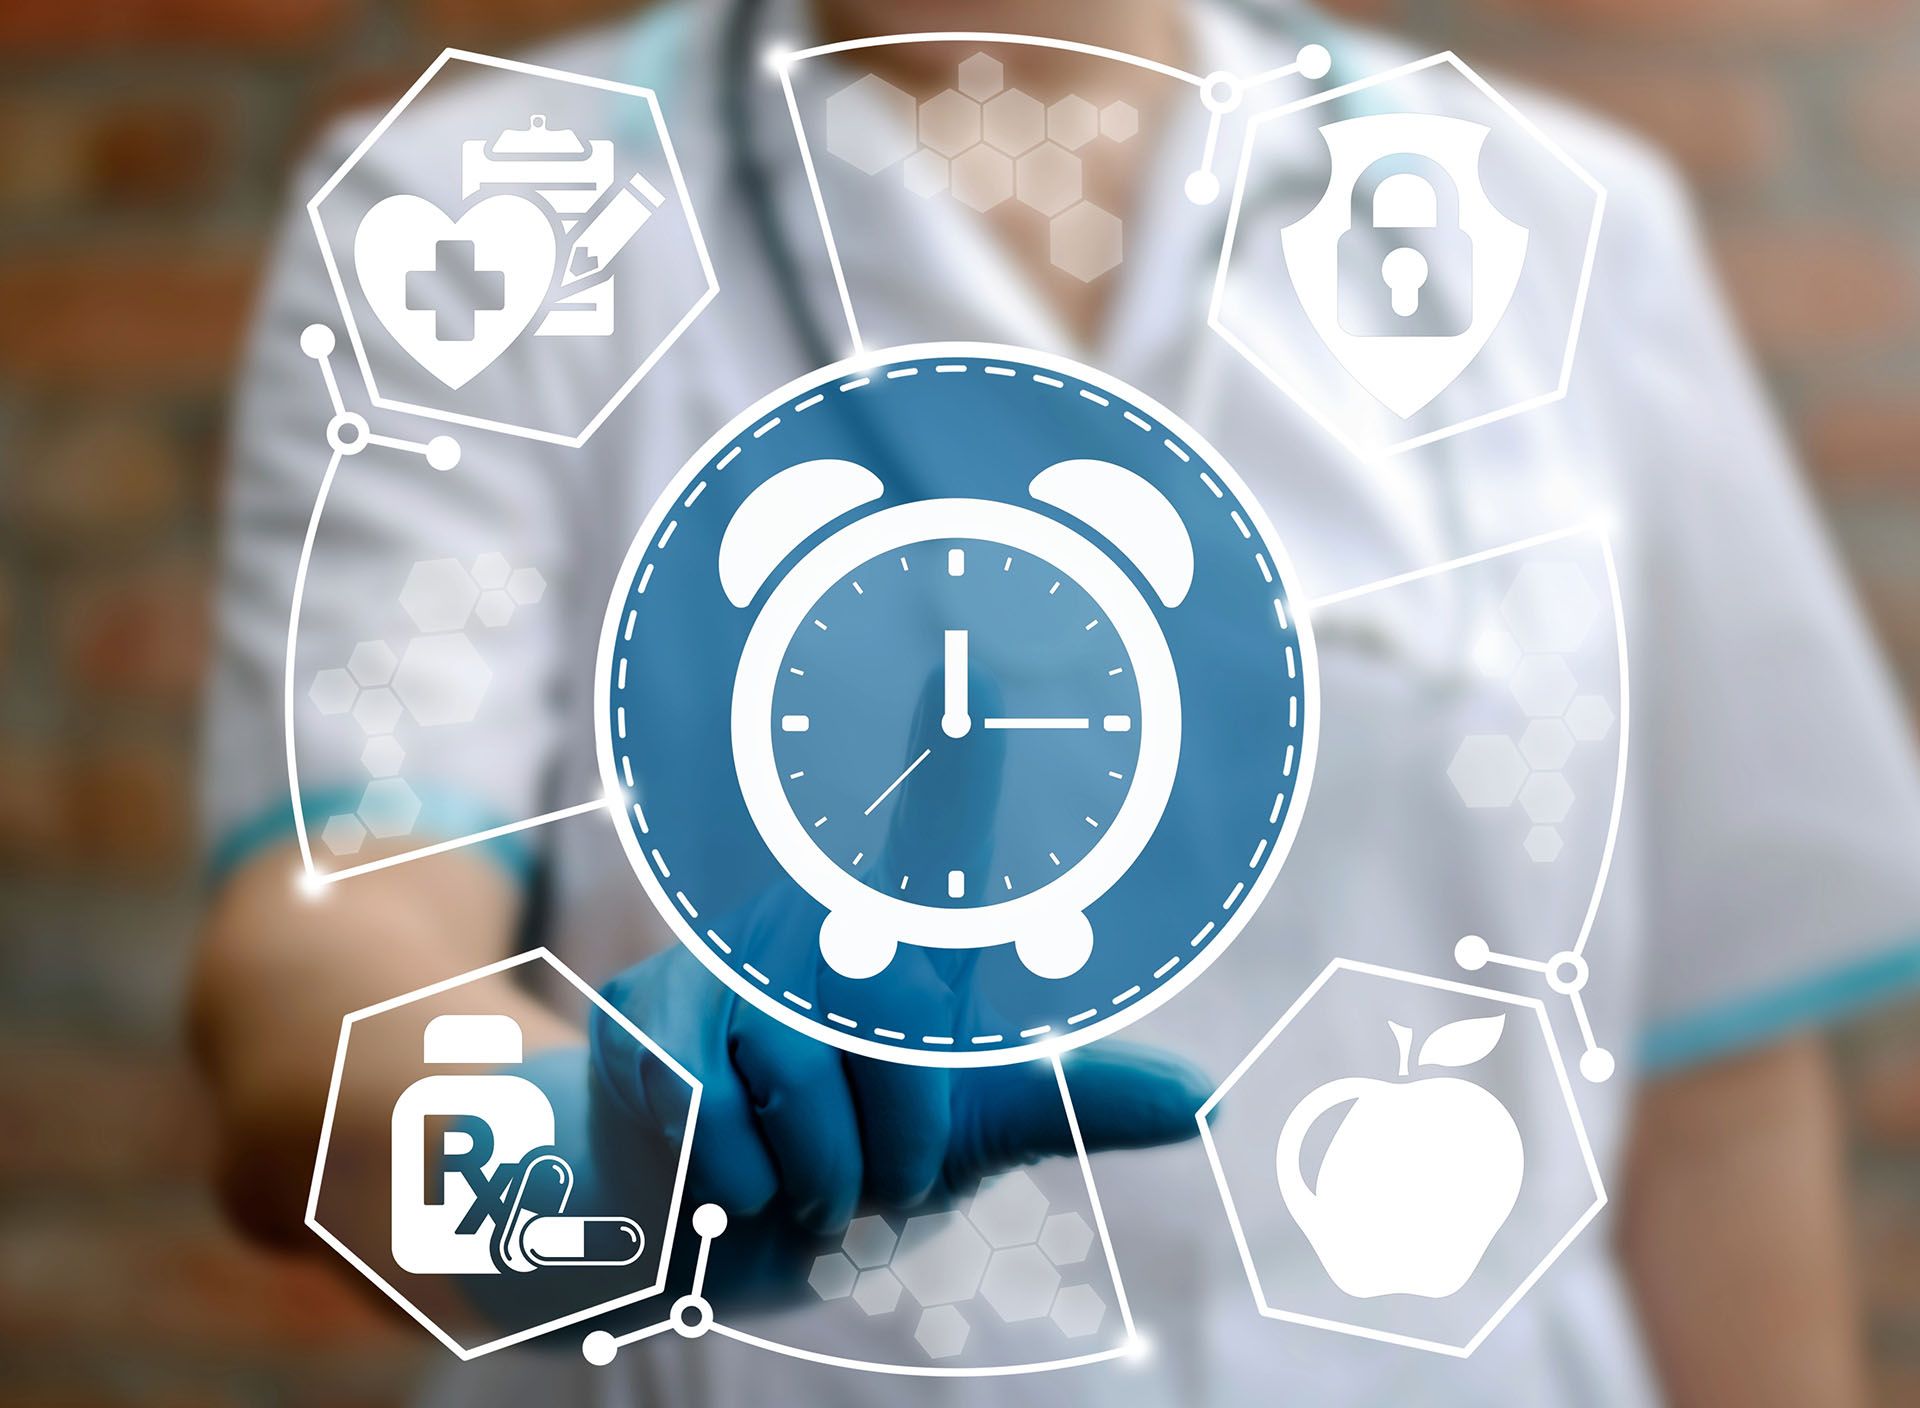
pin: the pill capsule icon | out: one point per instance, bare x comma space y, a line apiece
542, 1190
582, 1241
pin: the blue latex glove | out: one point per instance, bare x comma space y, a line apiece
795, 1136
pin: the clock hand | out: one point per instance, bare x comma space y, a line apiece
896, 782
954, 721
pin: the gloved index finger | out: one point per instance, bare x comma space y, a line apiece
903, 1110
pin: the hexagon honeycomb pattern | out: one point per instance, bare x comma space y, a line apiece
1005, 1253
985, 145
1547, 613
435, 678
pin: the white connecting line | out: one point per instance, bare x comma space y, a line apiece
1220, 93
347, 435
1566, 972
692, 1314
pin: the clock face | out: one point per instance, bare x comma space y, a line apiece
971, 663
956, 723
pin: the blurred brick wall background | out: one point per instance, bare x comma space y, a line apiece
143, 147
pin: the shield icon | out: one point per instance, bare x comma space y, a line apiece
1332, 256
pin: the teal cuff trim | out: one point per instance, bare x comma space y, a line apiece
1747, 1022
442, 816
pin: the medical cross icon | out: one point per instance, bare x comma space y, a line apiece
453, 263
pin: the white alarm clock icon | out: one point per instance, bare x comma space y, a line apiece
1079, 741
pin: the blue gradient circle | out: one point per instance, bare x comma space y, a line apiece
955, 421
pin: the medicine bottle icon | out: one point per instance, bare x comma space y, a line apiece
452, 1133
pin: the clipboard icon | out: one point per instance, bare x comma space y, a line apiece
574, 178
551, 162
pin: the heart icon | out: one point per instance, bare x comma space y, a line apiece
455, 293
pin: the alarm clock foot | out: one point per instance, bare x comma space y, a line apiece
853, 950
1060, 951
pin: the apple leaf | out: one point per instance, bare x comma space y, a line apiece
1462, 1043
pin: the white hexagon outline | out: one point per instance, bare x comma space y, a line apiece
1293, 393
1351, 965
647, 95
464, 1352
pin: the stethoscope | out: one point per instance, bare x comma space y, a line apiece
754, 187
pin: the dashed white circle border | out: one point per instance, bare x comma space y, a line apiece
886, 1044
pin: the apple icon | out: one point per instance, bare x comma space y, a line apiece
1418, 1177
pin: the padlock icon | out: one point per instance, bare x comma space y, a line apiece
1405, 266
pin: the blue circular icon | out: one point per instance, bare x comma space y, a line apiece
956, 705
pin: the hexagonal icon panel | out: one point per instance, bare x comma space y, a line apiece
494, 608
372, 662
439, 594
481, 1160
1590, 718
526, 586
876, 1291
1078, 1311
940, 1258
1543, 685
1013, 121
1487, 770
832, 1276
981, 76
1084, 240
1403, 1158
1547, 797
981, 177
1546, 744
869, 1241
1008, 1209
1020, 1283
505, 225
1390, 359
949, 123
377, 710
388, 808
925, 173
333, 691
1543, 844
343, 835
382, 756
1550, 607
1119, 121
1048, 178
1072, 122
442, 679
942, 1332
491, 570
1066, 1238
869, 124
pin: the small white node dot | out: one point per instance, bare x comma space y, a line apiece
1596, 1065
1472, 953
1139, 1350
316, 340
1314, 61
443, 452
598, 1348
347, 433
709, 1220
692, 1317
1203, 188
1567, 972
310, 885
1221, 92
779, 54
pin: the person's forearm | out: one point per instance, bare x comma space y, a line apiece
278, 969
1735, 1234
